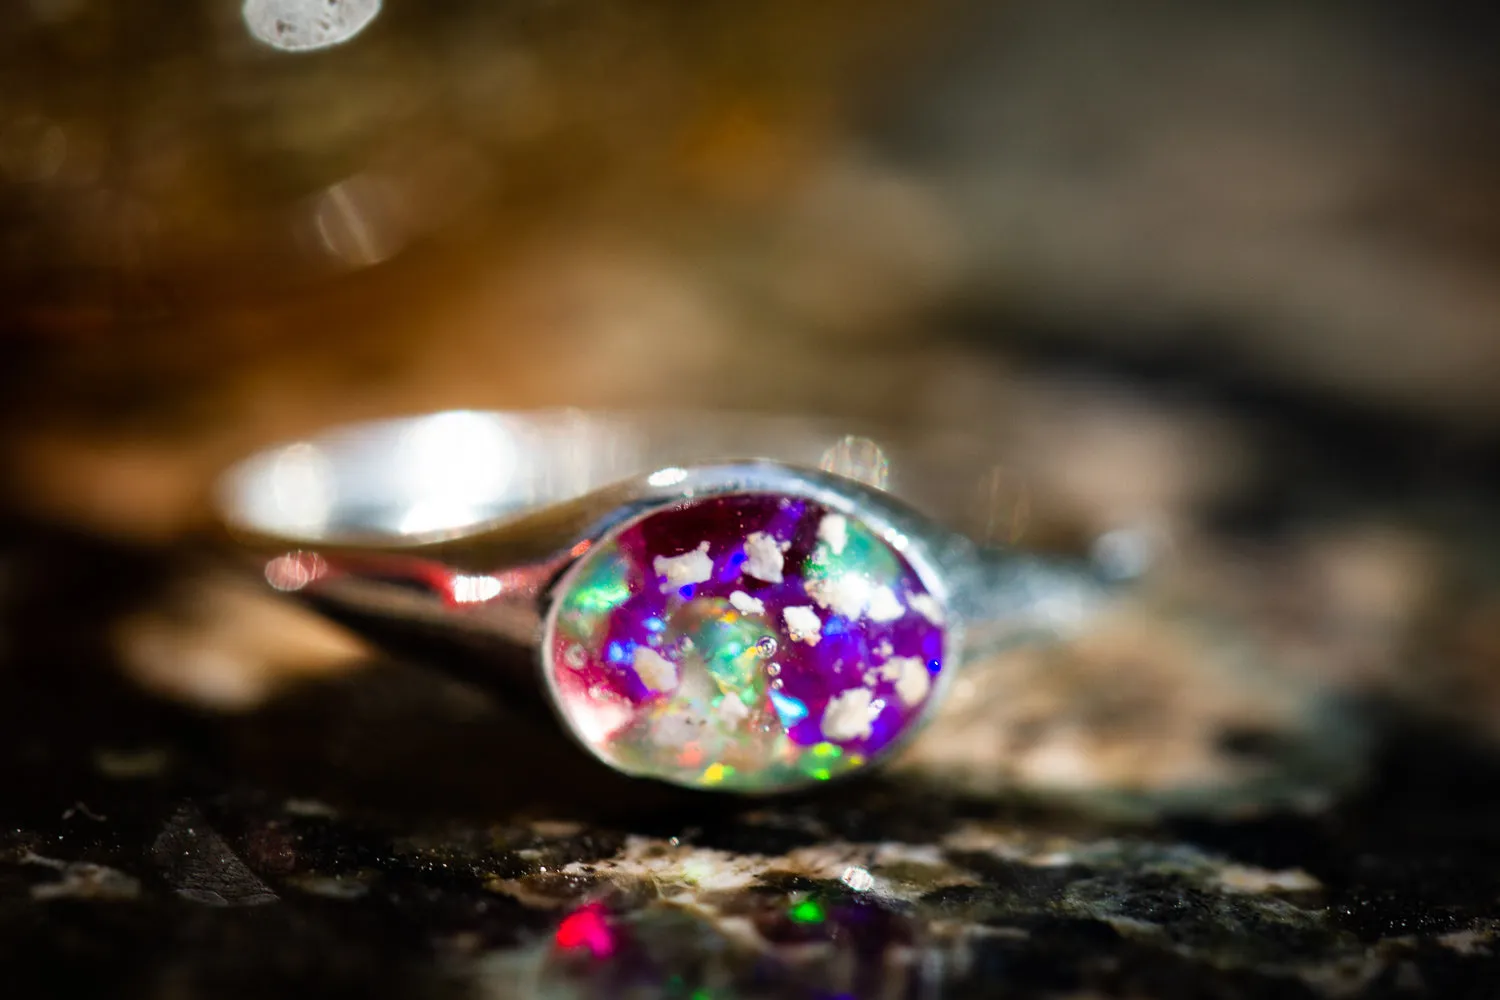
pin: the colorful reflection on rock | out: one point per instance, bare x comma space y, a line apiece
749, 642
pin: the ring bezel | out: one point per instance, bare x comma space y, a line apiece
929, 550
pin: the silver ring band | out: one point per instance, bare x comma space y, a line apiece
493, 527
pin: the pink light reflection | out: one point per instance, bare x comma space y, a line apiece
295, 570
586, 927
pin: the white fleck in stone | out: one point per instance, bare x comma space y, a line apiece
848, 715
885, 606
834, 529
747, 605
575, 657
688, 568
884, 648
732, 711
655, 671
763, 558
845, 594
910, 677
804, 624
927, 607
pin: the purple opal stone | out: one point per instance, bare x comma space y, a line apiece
750, 642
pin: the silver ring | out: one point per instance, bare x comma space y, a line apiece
721, 602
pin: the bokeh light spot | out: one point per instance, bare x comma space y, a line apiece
307, 25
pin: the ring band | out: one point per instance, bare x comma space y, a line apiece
720, 602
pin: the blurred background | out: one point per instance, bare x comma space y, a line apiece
1213, 278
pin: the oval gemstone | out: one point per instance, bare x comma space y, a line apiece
749, 642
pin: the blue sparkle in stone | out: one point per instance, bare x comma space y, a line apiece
790, 709
654, 624
621, 652
686, 592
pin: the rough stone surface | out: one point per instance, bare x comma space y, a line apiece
378, 833
147, 854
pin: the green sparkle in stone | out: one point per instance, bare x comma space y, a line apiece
864, 553
603, 588
727, 642
822, 761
